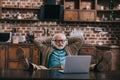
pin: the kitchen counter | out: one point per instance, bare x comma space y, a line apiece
17, 44
107, 47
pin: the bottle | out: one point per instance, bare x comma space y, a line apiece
30, 36
111, 5
103, 17
112, 17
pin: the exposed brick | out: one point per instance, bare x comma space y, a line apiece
102, 38
112, 38
90, 36
34, 0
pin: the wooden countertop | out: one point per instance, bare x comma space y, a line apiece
22, 44
98, 46
107, 47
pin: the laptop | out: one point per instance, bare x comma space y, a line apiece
77, 64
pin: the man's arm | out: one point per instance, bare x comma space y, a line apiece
42, 42
76, 41
74, 44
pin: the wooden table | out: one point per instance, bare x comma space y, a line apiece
56, 75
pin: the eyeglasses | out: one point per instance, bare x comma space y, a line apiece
59, 40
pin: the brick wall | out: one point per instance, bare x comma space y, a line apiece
91, 35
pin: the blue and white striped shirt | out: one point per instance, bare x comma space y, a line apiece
57, 58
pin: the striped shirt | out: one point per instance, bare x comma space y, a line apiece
57, 58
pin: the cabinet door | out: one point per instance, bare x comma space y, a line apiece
36, 56
71, 15
12, 60
2, 56
89, 51
115, 58
100, 51
87, 15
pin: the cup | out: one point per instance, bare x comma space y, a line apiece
102, 7
15, 39
87, 7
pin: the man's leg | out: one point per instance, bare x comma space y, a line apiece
22, 58
25, 62
38, 67
104, 62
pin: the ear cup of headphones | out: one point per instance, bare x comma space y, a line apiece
67, 42
52, 42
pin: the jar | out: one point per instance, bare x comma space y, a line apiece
15, 39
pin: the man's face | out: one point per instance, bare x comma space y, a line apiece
59, 42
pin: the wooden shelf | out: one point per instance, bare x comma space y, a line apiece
74, 11
109, 10
18, 8
90, 11
18, 20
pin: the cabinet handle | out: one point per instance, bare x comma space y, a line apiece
1, 47
35, 48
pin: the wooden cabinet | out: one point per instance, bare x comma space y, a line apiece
2, 56
71, 10
9, 59
89, 50
74, 10
91, 10
79, 10
83, 15
36, 55
115, 57
12, 60
71, 15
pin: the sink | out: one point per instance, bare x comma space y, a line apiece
5, 36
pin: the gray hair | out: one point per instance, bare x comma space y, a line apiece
62, 34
